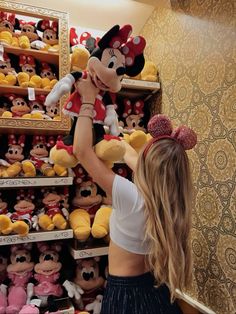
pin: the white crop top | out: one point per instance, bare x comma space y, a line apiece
127, 222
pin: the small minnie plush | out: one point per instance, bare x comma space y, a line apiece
28, 77
49, 31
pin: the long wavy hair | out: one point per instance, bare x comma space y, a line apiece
163, 177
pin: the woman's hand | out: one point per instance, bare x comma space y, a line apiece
87, 90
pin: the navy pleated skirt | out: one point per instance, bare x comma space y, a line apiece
137, 295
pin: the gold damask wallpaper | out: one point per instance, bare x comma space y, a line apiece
193, 43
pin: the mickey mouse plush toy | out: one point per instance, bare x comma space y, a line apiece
116, 55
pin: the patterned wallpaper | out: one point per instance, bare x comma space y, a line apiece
194, 45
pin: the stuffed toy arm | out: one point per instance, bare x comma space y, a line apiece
35, 222
73, 290
65, 213
38, 44
60, 88
3, 289
4, 163
96, 305
30, 292
111, 120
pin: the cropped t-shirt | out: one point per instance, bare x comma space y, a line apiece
127, 221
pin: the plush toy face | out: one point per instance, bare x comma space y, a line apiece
30, 69
52, 111
48, 263
87, 275
50, 37
48, 74
6, 26
107, 73
29, 31
35, 105
39, 151
20, 106
86, 195
5, 67
20, 262
51, 198
14, 153
134, 122
24, 206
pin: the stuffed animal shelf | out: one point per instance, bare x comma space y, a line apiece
106, 71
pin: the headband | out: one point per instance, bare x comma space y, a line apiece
160, 127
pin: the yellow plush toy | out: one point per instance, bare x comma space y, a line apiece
8, 24
79, 58
89, 217
52, 214
149, 72
7, 73
28, 77
137, 139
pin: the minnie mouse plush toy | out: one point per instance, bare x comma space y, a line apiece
116, 55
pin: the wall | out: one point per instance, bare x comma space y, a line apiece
194, 45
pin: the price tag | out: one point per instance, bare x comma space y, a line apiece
31, 93
1, 52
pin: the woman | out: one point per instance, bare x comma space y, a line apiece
150, 222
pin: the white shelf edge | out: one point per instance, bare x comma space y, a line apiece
138, 84
85, 253
34, 182
36, 236
197, 305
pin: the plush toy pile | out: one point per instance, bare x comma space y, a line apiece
33, 279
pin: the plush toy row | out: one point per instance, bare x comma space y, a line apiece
25, 34
28, 156
17, 106
25, 71
85, 208
33, 277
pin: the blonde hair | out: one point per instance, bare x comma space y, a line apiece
163, 177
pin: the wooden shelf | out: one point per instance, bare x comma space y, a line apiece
139, 84
36, 236
41, 55
90, 252
138, 89
35, 182
5, 89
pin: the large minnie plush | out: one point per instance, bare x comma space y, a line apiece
117, 54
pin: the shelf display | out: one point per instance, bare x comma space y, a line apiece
34, 54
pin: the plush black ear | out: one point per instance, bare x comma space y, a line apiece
105, 40
39, 26
17, 24
136, 67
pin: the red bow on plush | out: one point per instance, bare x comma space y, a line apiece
61, 145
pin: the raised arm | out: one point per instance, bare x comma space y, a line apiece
83, 139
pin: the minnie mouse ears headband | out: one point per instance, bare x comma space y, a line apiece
160, 127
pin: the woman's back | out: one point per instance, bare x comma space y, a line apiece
125, 263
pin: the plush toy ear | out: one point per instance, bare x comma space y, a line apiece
136, 67
17, 24
105, 40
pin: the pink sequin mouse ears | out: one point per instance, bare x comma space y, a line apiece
160, 126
